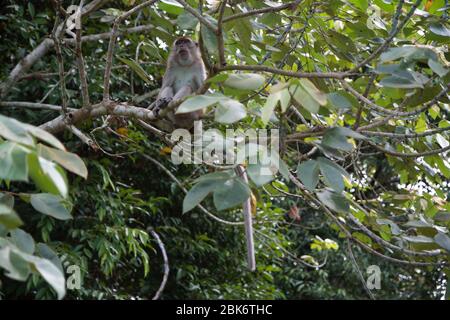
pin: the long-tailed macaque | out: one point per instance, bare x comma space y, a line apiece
185, 74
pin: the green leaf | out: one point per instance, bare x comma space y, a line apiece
395, 53
221, 77
7, 200
394, 227
18, 264
22, 240
440, 29
137, 69
23, 133
215, 176
47, 175
13, 130
9, 218
16, 267
337, 138
397, 82
199, 102
244, 31
437, 68
230, 194
285, 98
315, 93
308, 173
209, 37
343, 131
187, 21
259, 174
408, 52
229, 111
151, 49
442, 216
171, 6
44, 251
339, 101
244, 81
31, 9
51, 274
67, 160
333, 201
51, 205
198, 193
333, 139
269, 107
13, 161
332, 174
442, 240
341, 41
305, 99
418, 239
44, 136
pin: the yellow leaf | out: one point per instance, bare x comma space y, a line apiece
165, 150
122, 131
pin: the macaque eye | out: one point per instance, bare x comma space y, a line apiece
182, 41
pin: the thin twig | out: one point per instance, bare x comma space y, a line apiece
170, 174
166, 264
80, 60
290, 5
358, 271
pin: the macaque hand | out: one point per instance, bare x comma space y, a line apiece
161, 103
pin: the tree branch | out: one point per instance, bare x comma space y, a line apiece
290, 5
41, 50
81, 66
248, 222
166, 263
293, 74
32, 105
196, 14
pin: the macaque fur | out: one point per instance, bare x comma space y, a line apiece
185, 74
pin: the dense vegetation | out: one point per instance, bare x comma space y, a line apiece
357, 88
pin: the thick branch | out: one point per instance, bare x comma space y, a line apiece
220, 42
41, 50
32, 105
200, 18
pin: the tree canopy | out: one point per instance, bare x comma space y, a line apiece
92, 205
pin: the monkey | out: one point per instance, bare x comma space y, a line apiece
185, 73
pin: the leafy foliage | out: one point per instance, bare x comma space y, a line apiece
358, 90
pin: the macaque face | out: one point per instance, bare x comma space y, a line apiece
184, 49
